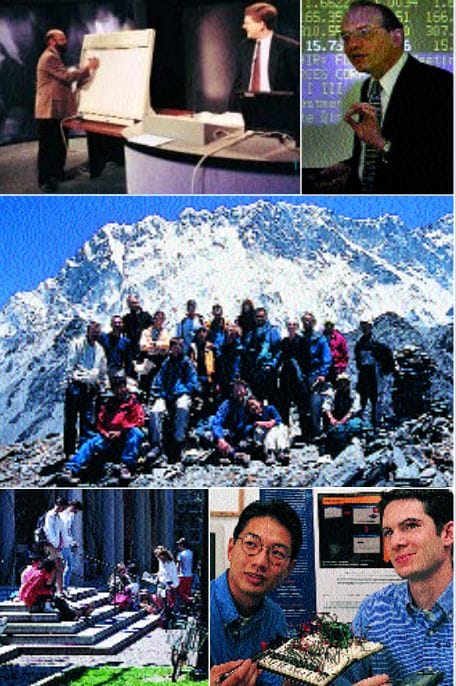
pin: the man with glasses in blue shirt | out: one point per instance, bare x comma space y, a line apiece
403, 125
262, 553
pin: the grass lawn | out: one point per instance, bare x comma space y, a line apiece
128, 676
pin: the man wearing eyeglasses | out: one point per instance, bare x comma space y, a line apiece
262, 553
403, 125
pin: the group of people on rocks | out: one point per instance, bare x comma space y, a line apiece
238, 379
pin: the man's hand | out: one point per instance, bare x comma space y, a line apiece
362, 117
223, 446
241, 673
93, 63
112, 435
333, 178
265, 424
379, 680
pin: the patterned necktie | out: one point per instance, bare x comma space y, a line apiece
371, 154
256, 70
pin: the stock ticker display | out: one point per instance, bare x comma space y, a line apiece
329, 82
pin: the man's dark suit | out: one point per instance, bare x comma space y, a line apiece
419, 125
283, 67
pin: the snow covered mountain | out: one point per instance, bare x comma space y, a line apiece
289, 258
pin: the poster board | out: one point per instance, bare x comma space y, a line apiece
118, 92
296, 595
350, 559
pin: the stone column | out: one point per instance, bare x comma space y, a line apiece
7, 535
107, 512
118, 525
142, 535
78, 494
164, 526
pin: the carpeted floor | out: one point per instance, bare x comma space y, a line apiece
18, 172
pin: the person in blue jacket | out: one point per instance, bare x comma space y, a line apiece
316, 362
228, 364
117, 348
231, 423
262, 553
260, 357
173, 387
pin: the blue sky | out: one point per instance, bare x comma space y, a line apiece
37, 233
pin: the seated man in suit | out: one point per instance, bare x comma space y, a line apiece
403, 126
268, 61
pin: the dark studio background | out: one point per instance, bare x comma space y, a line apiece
194, 58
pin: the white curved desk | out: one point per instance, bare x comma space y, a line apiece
255, 165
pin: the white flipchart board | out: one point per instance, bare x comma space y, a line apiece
118, 92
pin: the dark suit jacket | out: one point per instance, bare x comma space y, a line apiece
283, 67
419, 124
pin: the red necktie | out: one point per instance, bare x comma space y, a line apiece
256, 70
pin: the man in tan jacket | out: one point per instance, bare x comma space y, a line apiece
55, 100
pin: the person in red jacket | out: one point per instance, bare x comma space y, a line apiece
119, 421
339, 351
39, 586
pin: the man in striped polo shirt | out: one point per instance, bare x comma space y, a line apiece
413, 619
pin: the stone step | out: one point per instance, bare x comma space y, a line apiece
98, 615
110, 645
26, 617
8, 653
89, 635
18, 612
6, 592
9, 607
75, 594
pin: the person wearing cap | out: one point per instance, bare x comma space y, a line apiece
341, 407
119, 426
55, 101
